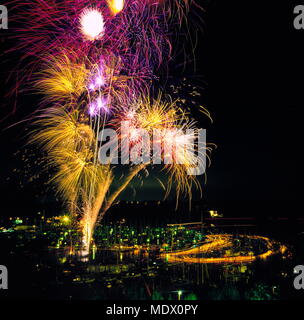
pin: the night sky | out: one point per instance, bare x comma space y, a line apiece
251, 60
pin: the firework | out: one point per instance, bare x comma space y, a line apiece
92, 24
61, 78
116, 5
96, 67
139, 34
174, 138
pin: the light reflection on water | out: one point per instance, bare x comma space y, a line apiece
117, 274
128, 275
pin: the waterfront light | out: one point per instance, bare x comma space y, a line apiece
179, 292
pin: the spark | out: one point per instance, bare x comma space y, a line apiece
60, 77
98, 79
97, 106
116, 6
92, 24
174, 141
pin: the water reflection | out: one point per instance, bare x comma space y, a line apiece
151, 270
136, 274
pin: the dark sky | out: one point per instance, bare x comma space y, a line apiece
251, 59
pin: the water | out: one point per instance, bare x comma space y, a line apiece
38, 271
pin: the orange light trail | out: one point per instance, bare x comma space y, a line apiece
216, 242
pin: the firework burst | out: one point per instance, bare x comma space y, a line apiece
97, 66
92, 24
